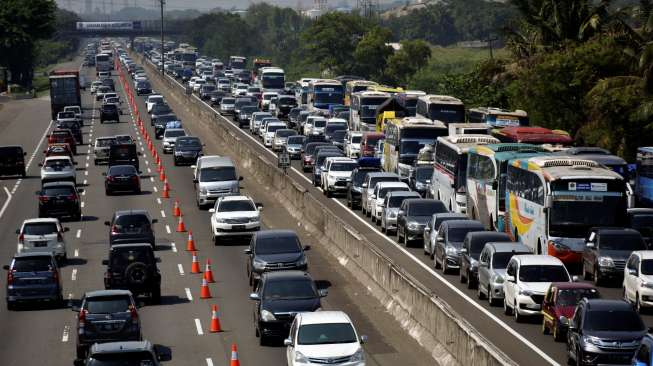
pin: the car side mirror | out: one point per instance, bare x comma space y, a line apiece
80, 190
323, 292
364, 185
105, 262
463, 250
482, 264
40, 164
495, 185
18, 231
259, 206
631, 271
66, 229
574, 278
157, 259
154, 221
78, 362
363, 339
307, 247
38, 193
107, 223
254, 296
6, 267
287, 342
193, 166
212, 210
401, 213
140, 153
75, 309
510, 278
196, 181
247, 251
104, 174
590, 245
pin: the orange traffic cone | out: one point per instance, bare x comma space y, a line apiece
215, 321
205, 293
158, 159
159, 167
149, 145
234, 355
176, 211
208, 273
166, 186
190, 244
195, 266
162, 176
165, 193
181, 228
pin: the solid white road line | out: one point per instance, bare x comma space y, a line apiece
198, 326
73, 275
189, 296
79, 233
66, 334
4, 207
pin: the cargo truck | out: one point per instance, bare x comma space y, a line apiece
64, 90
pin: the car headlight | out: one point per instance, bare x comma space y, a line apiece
498, 279
592, 340
203, 191
258, 264
452, 250
301, 261
220, 220
648, 284
606, 262
358, 356
392, 214
267, 316
413, 226
300, 358
525, 292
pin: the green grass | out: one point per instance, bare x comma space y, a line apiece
456, 60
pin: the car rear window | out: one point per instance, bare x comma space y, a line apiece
127, 256
426, 208
175, 133
109, 107
107, 304
57, 163
122, 170
57, 191
40, 228
32, 264
289, 289
277, 245
613, 321
104, 142
10, 151
125, 222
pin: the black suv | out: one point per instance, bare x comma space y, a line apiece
74, 128
60, 199
109, 112
606, 252
274, 250
12, 160
279, 296
471, 251
603, 332
106, 316
131, 226
413, 216
133, 267
355, 185
187, 149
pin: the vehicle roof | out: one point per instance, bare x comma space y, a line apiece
462, 223
131, 245
392, 184
485, 235
557, 167
421, 200
640, 211
644, 254
446, 215
42, 219
33, 254
286, 275
235, 198
115, 347
536, 259
58, 183
608, 304
403, 194
321, 317
504, 246
382, 174
572, 285
131, 212
263, 234
99, 293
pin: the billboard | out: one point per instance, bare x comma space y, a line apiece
108, 26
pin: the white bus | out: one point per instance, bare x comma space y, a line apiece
272, 79
362, 116
403, 140
448, 183
302, 91
103, 62
441, 107
324, 92
237, 62
553, 201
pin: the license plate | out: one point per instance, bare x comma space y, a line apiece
108, 327
40, 243
238, 227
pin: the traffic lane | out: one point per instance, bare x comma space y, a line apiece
386, 345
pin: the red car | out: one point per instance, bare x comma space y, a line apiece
63, 137
59, 150
561, 300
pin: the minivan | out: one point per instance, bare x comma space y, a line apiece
215, 176
124, 154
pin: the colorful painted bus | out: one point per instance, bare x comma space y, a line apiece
441, 108
355, 86
644, 177
497, 117
553, 201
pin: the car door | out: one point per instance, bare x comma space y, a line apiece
401, 218
510, 286
573, 333
630, 278
589, 254
484, 268
427, 230
440, 241
547, 306
290, 349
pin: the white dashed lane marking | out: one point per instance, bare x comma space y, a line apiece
189, 296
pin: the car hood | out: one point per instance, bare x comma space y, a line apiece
236, 214
189, 149
328, 350
423, 220
537, 287
615, 335
291, 305
340, 174
615, 254
280, 257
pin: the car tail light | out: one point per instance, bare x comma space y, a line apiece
59, 236
44, 199
21, 238
81, 319
10, 277
55, 276
114, 229
72, 197
133, 312
110, 178
135, 178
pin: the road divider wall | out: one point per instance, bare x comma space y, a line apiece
449, 338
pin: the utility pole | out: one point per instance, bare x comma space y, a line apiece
163, 53
489, 43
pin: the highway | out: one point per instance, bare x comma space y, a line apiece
524, 343
41, 335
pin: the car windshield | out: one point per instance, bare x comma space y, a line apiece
131, 224
189, 142
228, 100
125, 256
277, 245
63, 115
155, 100
104, 142
273, 128
57, 191
167, 118
647, 267
208, 87
122, 359
175, 133
289, 289
456, 236
295, 140
40, 228
395, 201
217, 174
500, 259
426, 208
161, 109
240, 205
543, 273
571, 296
319, 123
621, 242
286, 133
32, 264
107, 304
333, 333
613, 321
343, 167
356, 139
58, 163
423, 174
384, 191
122, 170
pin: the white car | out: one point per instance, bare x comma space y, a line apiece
528, 278
240, 89
42, 235
234, 216
56, 168
191, 82
265, 100
310, 125
95, 85
270, 129
152, 100
324, 337
380, 191
337, 174
638, 279
353, 144
264, 124
198, 84
170, 138
77, 110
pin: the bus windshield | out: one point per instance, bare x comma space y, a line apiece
368, 107
273, 80
447, 113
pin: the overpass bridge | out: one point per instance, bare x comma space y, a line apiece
129, 29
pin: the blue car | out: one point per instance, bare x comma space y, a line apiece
33, 277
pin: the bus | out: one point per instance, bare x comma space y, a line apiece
486, 180
408, 99
272, 78
497, 117
553, 139
103, 62
363, 109
186, 56
553, 201
322, 93
644, 177
237, 62
385, 89
448, 183
259, 64
441, 107
356, 86
404, 138
302, 92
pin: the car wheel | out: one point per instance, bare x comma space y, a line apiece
406, 241
579, 358
11, 306
597, 277
262, 340
461, 275
94, 161
638, 304
445, 267
490, 299
557, 334
328, 193
545, 329
586, 275
108, 192
518, 317
77, 217
506, 309
81, 352
470, 282
479, 293
216, 240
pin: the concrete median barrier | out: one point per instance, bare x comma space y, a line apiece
434, 324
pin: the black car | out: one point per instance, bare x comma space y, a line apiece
108, 82
216, 97
133, 267
106, 316
245, 115
131, 226
603, 332
161, 122
58, 199
160, 109
471, 251
12, 160
413, 216
355, 185
109, 112
307, 156
274, 250
143, 88
285, 103
206, 91
332, 128
187, 149
279, 296
420, 179
293, 116
338, 139
121, 178
449, 242
606, 252
123, 154
641, 219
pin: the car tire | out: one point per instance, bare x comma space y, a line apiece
638, 304
557, 334
598, 280
518, 317
328, 193
445, 267
262, 340
81, 352
462, 277
506, 309
479, 293
11, 306
490, 299
77, 216
586, 275
108, 192
94, 161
